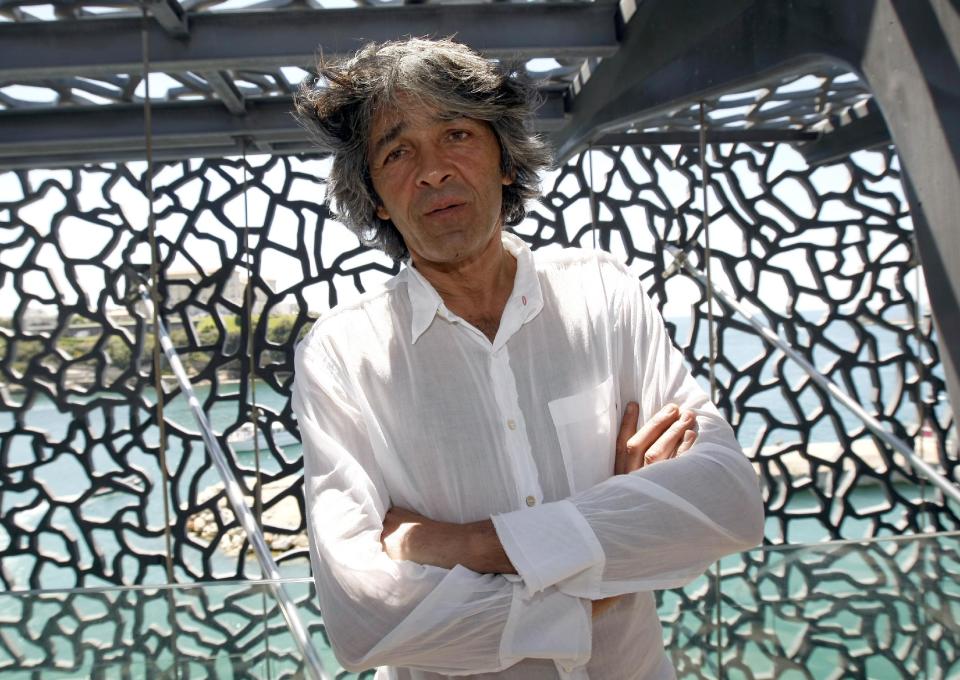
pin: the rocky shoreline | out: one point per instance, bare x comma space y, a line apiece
284, 518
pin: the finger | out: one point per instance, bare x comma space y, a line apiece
689, 437
645, 437
666, 445
627, 427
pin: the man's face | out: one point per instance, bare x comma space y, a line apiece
439, 180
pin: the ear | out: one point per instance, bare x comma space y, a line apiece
382, 213
508, 178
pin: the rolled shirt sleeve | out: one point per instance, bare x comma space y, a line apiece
379, 611
660, 526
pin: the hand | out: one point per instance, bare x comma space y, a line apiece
668, 434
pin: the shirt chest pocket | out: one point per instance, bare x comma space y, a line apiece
586, 428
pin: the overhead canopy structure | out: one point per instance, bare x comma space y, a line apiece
831, 77
72, 78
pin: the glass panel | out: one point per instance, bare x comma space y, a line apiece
687, 618
223, 630
887, 608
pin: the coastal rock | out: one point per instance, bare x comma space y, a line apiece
283, 515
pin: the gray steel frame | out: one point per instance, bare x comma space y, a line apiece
203, 129
256, 40
642, 60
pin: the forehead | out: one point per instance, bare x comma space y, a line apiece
404, 113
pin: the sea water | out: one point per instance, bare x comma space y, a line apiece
106, 438
104, 434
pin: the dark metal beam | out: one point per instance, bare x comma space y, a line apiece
170, 15
677, 53
71, 130
910, 55
180, 130
859, 132
751, 136
265, 40
225, 88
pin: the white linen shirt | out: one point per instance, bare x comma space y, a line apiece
402, 403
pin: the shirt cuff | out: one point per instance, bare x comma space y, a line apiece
548, 625
551, 543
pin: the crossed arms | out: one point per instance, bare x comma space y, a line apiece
410, 536
655, 527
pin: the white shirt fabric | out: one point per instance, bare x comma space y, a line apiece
402, 403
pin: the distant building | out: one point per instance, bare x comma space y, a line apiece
180, 286
38, 320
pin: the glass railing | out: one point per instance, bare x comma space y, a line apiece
225, 629
878, 609
884, 608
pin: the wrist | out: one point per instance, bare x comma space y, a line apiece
432, 542
483, 551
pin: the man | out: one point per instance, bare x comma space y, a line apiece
473, 507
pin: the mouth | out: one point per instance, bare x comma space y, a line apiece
443, 208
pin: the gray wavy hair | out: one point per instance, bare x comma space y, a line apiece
339, 106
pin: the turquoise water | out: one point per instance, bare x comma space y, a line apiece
783, 383
87, 437
103, 436
108, 419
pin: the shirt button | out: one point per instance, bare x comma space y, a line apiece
531, 501
512, 424
523, 299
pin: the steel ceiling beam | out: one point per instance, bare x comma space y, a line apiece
73, 135
270, 39
226, 90
865, 131
674, 54
170, 15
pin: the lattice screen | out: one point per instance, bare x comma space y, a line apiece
824, 255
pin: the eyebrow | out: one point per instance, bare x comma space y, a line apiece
398, 128
387, 137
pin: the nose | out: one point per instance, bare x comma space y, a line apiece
433, 169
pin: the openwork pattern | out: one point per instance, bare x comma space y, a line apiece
248, 255
223, 630
880, 609
883, 609
824, 256
789, 101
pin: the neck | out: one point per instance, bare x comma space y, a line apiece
476, 289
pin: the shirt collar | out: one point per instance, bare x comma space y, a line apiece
524, 303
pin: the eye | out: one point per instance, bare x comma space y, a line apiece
393, 155
458, 135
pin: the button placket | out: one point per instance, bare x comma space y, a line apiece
518, 452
